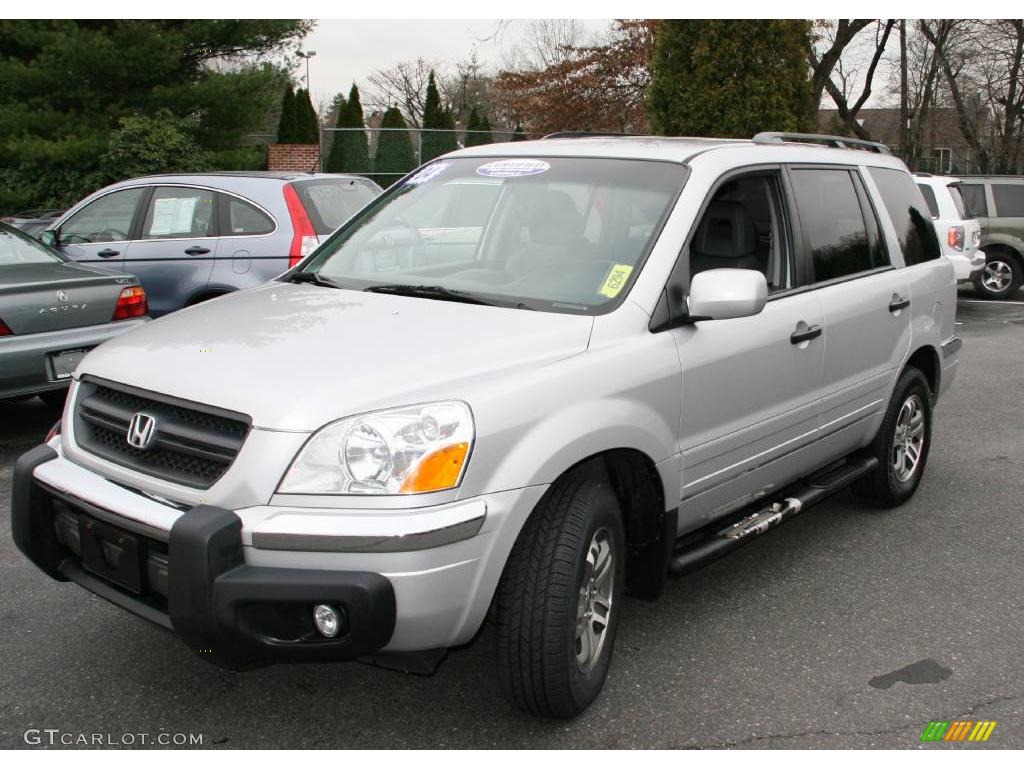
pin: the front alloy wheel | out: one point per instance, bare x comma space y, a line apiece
594, 606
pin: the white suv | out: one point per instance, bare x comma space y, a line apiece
528, 380
959, 232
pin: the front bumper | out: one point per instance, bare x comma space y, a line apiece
25, 363
239, 586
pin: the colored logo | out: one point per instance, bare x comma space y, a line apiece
958, 730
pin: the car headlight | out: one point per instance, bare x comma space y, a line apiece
417, 449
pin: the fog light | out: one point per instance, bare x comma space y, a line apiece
327, 620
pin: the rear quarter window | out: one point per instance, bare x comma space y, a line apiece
909, 214
929, 198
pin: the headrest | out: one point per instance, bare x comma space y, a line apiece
554, 219
727, 230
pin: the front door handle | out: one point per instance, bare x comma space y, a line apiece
898, 303
107, 253
799, 337
196, 250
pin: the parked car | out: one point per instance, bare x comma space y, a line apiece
636, 355
958, 231
192, 237
53, 311
998, 203
34, 222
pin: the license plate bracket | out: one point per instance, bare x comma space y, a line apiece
112, 553
63, 364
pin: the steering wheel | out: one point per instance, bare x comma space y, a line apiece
415, 244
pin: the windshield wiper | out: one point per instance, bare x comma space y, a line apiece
313, 277
428, 292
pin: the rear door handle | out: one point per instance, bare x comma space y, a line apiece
196, 250
107, 253
898, 303
799, 337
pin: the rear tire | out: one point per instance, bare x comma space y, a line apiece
559, 599
901, 445
1002, 276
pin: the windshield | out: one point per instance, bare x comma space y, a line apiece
556, 234
16, 248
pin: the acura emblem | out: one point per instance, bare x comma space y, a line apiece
141, 430
62, 297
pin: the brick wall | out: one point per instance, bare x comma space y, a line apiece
293, 157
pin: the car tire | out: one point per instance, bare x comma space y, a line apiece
901, 445
559, 599
54, 398
1002, 276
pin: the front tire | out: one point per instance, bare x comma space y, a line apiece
1001, 277
902, 443
559, 599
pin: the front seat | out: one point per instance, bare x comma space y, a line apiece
556, 235
726, 238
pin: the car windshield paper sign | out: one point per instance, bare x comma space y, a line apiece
172, 215
504, 169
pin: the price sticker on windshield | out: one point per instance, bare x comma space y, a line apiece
617, 277
505, 169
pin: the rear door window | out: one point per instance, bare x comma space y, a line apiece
329, 203
834, 227
1009, 199
106, 220
974, 196
929, 198
179, 212
958, 202
909, 215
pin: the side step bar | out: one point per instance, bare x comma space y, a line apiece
739, 529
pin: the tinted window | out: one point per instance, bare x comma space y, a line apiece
16, 248
104, 220
929, 198
244, 219
958, 202
179, 212
974, 196
1009, 199
329, 203
909, 215
833, 223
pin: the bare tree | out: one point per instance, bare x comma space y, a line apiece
544, 43
403, 85
840, 75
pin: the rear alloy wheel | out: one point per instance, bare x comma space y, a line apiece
901, 445
1001, 277
557, 606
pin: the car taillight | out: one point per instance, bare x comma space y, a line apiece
304, 240
4, 330
955, 238
131, 303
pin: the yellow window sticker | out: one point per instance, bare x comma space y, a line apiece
617, 277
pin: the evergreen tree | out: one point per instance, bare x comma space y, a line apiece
519, 134
307, 124
356, 152
336, 154
395, 155
473, 136
485, 125
730, 78
433, 120
448, 141
286, 128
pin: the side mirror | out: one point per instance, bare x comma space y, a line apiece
722, 294
49, 237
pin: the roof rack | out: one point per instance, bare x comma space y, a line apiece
839, 142
585, 134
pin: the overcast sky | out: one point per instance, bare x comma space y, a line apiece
350, 50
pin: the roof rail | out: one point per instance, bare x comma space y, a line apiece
585, 134
839, 142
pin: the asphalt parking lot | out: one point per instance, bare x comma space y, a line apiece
788, 643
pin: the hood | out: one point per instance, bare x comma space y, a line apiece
296, 356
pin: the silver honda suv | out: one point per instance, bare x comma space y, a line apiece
528, 381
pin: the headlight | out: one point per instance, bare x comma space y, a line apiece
402, 450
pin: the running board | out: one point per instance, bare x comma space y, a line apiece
746, 526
